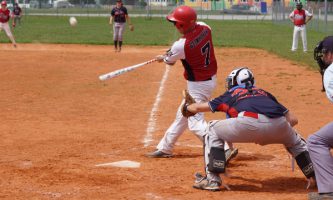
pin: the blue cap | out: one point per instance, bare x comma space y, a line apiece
327, 44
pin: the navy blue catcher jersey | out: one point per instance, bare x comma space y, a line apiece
119, 14
239, 99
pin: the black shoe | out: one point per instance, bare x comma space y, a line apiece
158, 154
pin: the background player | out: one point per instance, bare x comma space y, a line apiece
256, 116
119, 17
17, 14
321, 142
4, 18
196, 51
300, 18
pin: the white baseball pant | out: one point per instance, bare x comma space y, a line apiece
297, 31
6, 28
201, 91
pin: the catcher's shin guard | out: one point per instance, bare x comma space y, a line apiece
304, 162
217, 161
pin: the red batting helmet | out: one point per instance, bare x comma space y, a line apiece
4, 3
183, 17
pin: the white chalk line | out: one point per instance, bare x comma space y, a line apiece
152, 118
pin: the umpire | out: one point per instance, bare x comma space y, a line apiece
256, 117
320, 143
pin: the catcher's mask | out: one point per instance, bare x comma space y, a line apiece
323, 47
183, 17
240, 77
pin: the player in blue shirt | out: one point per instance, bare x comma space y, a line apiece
119, 17
255, 117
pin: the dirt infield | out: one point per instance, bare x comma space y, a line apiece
58, 121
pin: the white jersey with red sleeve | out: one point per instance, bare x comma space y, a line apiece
4, 15
196, 51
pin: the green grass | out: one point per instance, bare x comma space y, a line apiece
275, 38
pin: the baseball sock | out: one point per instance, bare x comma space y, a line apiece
120, 44
115, 44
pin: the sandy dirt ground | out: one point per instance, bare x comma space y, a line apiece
58, 121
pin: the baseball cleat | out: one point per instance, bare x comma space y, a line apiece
198, 177
202, 183
316, 196
158, 154
230, 154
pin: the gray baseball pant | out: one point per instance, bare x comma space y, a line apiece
319, 145
118, 31
243, 129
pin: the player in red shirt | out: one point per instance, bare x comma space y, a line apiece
196, 52
4, 18
300, 17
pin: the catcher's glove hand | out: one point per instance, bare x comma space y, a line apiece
131, 27
188, 101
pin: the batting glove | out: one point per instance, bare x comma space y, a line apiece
160, 58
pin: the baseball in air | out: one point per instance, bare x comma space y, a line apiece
72, 21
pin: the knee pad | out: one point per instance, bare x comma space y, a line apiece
217, 161
304, 162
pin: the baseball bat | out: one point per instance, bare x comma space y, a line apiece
124, 70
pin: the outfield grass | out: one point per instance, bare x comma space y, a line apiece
275, 38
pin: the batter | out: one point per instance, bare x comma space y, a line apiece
196, 51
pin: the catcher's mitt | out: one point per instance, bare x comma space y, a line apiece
131, 27
188, 101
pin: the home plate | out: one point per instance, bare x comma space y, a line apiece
123, 163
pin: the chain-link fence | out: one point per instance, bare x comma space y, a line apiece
215, 9
278, 11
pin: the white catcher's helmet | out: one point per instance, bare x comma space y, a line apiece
240, 77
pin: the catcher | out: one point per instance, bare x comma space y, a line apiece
256, 117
